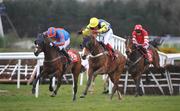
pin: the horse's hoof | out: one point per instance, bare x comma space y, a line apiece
53, 94
50, 89
105, 92
74, 99
136, 95
82, 96
33, 91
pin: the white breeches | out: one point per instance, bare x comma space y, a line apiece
67, 42
106, 37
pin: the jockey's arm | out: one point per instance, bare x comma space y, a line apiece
86, 31
104, 28
59, 43
146, 41
134, 40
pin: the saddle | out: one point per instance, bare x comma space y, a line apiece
108, 47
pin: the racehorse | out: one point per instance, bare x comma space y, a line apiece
55, 63
135, 55
100, 62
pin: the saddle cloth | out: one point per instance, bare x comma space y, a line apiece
150, 55
73, 55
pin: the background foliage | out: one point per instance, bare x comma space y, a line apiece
13, 99
29, 17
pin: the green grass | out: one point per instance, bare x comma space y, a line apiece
22, 100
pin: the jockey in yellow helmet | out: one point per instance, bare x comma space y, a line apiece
103, 28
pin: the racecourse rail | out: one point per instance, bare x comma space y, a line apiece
118, 43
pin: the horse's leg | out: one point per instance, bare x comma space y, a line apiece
137, 88
113, 88
35, 82
115, 79
50, 84
148, 80
75, 86
106, 84
91, 87
58, 84
76, 71
90, 74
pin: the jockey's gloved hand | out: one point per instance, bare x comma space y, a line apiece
51, 44
139, 45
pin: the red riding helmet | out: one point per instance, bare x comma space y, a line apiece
138, 27
51, 32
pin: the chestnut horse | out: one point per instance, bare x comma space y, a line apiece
100, 62
55, 63
136, 59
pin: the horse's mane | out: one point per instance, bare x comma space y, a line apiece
87, 42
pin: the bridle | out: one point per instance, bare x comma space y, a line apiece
40, 43
131, 50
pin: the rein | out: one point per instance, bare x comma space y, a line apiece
98, 55
136, 61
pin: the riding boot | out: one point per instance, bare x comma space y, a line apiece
111, 51
104, 46
67, 55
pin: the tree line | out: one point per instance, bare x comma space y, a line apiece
159, 17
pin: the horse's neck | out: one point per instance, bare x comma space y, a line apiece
97, 49
50, 54
136, 55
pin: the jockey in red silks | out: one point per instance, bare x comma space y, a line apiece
141, 38
60, 38
103, 28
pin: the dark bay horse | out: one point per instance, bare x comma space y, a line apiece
136, 59
55, 63
101, 63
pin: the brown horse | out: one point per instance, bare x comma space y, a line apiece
55, 63
136, 59
100, 62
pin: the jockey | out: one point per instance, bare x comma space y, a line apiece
103, 28
140, 38
60, 38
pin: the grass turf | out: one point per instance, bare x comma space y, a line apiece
13, 99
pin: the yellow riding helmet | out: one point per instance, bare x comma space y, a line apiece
93, 22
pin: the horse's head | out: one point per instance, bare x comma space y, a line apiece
129, 45
90, 45
132, 50
40, 43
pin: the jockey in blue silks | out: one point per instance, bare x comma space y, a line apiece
60, 38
